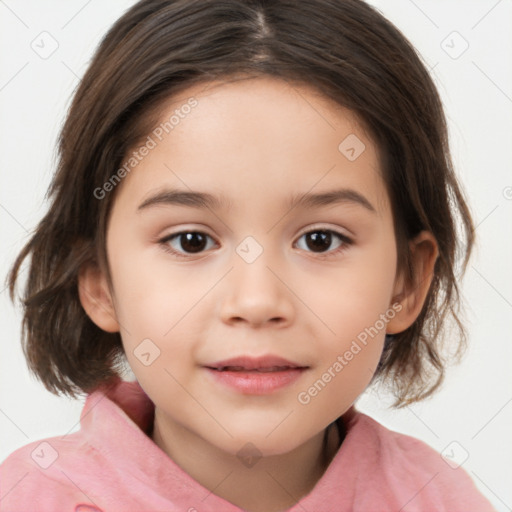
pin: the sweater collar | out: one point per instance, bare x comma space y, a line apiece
117, 420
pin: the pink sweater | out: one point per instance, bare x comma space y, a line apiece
111, 464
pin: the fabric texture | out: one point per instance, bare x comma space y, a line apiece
112, 465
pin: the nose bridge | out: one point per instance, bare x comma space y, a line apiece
251, 268
254, 293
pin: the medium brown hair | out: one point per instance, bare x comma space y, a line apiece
344, 49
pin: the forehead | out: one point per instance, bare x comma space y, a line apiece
264, 106
242, 137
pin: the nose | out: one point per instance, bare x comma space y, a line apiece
257, 295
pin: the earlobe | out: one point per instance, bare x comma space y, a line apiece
96, 298
411, 296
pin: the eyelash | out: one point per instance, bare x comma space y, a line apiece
346, 242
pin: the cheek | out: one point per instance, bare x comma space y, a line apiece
352, 298
357, 313
353, 304
336, 386
151, 294
160, 303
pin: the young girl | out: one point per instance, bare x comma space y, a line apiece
255, 208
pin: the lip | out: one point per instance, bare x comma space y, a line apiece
256, 375
255, 363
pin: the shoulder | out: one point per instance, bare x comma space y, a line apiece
84, 468
42, 473
412, 472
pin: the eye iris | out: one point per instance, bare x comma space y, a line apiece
192, 242
318, 241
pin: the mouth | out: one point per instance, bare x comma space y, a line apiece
261, 370
255, 376
264, 364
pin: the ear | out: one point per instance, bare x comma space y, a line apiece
96, 298
411, 296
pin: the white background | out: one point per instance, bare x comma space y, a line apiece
474, 408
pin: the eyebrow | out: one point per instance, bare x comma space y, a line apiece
204, 200
339, 196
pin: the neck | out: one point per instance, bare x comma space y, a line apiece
273, 483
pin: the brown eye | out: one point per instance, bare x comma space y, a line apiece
192, 242
323, 240
187, 242
318, 241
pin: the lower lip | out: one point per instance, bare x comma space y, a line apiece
257, 383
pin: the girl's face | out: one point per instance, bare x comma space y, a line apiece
288, 252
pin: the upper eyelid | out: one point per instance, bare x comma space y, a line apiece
321, 227
318, 227
310, 229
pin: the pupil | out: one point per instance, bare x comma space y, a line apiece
193, 242
321, 240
